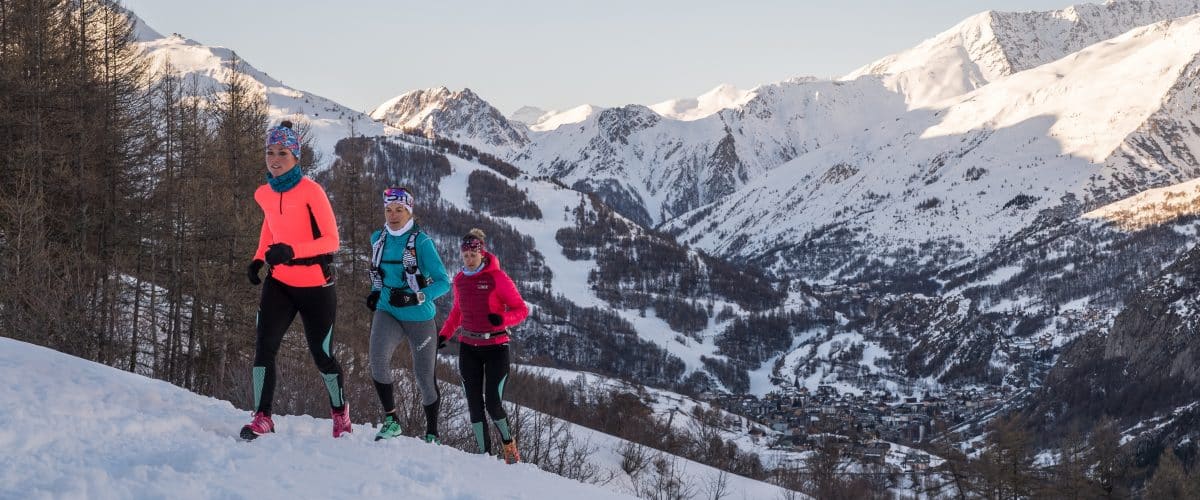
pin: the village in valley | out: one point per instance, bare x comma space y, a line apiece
865, 426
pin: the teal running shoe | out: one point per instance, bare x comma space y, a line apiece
390, 428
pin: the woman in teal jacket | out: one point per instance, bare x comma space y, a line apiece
406, 275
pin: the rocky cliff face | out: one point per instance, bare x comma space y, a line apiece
1156, 333
1145, 371
461, 116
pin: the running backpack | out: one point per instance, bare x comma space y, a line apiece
412, 272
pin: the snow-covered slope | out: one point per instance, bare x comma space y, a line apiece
77, 429
211, 67
697, 480
1088, 127
665, 404
527, 115
991, 45
724, 96
553, 119
461, 116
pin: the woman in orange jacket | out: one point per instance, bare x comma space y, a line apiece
299, 236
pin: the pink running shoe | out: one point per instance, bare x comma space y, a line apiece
261, 424
341, 421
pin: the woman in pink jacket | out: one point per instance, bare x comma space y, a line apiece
486, 304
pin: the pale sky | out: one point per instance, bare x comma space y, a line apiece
557, 54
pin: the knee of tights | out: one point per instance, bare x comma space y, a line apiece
328, 365
427, 401
496, 411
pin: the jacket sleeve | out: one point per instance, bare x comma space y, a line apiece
432, 268
322, 212
264, 240
452, 321
506, 290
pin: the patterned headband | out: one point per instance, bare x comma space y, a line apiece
398, 195
472, 243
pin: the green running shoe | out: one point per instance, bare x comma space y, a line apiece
431, 438
390, 428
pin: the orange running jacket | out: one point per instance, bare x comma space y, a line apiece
302, 218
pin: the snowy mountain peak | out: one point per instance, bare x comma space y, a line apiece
212, 67
411, 105
724, 96
527, 115
620, 123
954, 62
461, 115
992, 45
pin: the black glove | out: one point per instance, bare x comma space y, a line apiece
442, 342
252, 271
372, 299
495, 319
279, 253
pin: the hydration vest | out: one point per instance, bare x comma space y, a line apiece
412, 272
